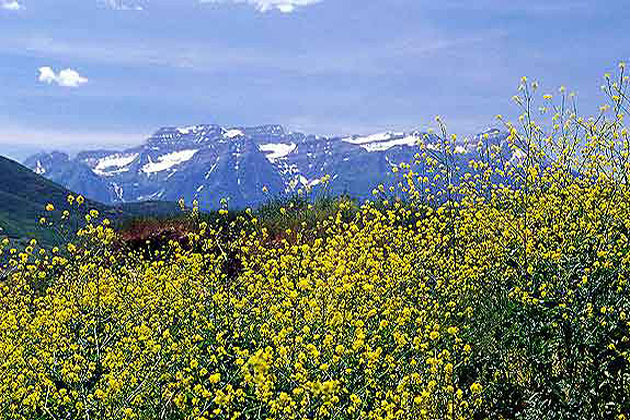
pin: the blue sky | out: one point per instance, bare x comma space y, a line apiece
318, 66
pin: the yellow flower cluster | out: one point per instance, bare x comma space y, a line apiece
362, 322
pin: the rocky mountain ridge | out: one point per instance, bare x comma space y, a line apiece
209, 162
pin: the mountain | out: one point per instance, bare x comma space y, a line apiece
210, 162
25, 194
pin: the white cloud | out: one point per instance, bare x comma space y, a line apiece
10, 5
65, 78
47, 75
284, 6
124, 4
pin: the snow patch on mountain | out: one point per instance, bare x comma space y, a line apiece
189, 129
168, 161
230, 134
113, 164
39, 168
118, 191
381, 142
275, 151
155, 196
381, 146
212, 168
311, 182
368, 139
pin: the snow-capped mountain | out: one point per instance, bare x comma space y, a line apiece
210, 162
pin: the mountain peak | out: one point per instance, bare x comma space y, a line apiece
172, 136
175, 136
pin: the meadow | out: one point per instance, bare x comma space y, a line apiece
498, 290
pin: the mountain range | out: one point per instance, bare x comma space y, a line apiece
244, 165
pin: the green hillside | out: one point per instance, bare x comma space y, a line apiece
24, 196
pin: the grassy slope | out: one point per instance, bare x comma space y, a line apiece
24, 195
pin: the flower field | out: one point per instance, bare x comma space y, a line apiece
495, 290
